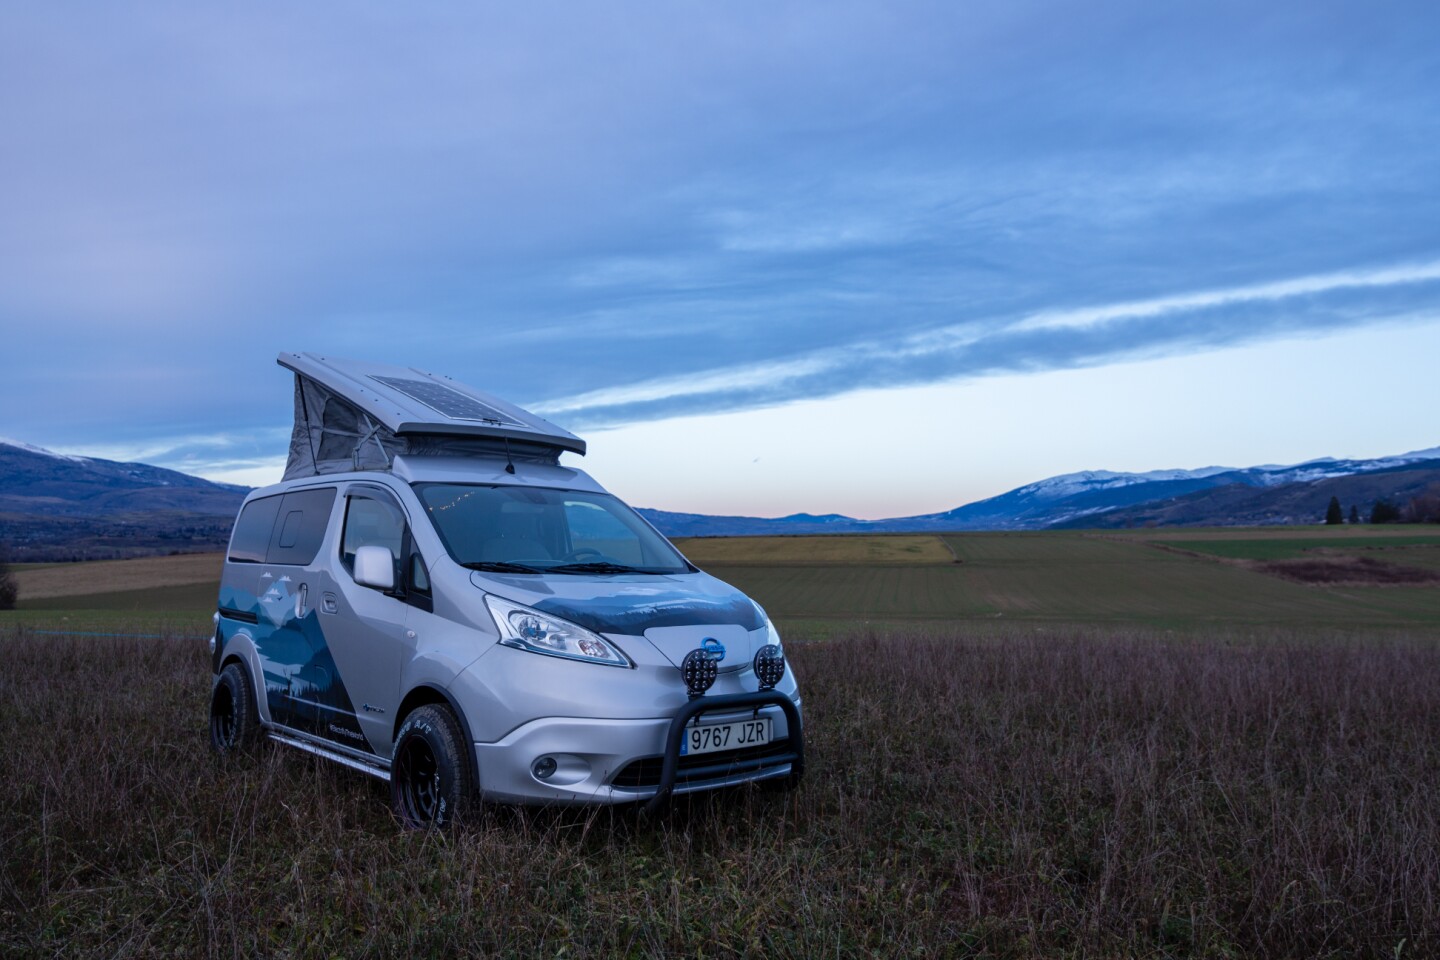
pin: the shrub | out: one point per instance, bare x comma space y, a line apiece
9, 589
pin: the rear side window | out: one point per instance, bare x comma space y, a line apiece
252, 531
286, 528
300, 526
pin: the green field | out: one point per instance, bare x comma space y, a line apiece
1197, 580
1079, 578
858, 549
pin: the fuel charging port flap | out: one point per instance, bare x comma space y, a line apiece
670, 768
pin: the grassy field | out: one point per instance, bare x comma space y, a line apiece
1078, 578
709, 551
1190, 579
1073, 793
1063, 745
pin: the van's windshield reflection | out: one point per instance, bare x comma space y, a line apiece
517, 529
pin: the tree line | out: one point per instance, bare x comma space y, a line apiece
1424, 507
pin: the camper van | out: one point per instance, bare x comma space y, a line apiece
430, 597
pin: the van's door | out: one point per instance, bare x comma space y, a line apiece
300, 682
366, 626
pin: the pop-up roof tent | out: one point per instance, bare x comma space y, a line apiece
353, 415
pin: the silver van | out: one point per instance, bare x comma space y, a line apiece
430, 597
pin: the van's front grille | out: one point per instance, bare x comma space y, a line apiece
645, 772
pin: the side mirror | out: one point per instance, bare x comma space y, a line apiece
375, 567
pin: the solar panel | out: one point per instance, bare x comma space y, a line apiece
450, 403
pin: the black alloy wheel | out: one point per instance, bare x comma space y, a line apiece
430, 778
234, 718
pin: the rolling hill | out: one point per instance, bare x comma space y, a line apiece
55, 506
59, 507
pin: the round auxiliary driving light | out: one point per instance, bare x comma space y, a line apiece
769, 665
698, 669
544, 768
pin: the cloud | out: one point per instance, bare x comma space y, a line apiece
1280, 290
631, 212
1052, 339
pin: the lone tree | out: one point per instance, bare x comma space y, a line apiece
1384, 512
1334, 516
1354, 514
9, 589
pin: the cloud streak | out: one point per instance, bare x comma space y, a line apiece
1051, 339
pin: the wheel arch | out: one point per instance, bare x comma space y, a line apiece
426, 694
240, 648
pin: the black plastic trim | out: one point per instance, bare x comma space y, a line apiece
670, 771
244, 616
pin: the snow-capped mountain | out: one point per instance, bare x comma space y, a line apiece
50, 500
1068, 498
1099, 497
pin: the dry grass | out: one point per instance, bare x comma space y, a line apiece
849, 549
1350, 570
1063, 793
117, 576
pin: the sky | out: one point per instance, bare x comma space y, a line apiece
878, 259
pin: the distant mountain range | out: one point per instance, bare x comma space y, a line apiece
55, 506
1209, 496
59, 507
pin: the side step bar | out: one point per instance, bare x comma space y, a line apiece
374, 769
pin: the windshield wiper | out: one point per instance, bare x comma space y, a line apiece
498, 566
596, 566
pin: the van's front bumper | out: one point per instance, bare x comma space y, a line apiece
623, 761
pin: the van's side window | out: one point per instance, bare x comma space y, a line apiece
285, 528
369, 521
419, 576
251, 536
300, 526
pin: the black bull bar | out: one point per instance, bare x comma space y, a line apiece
670, 769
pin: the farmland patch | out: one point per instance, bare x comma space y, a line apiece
846, 549
45, 581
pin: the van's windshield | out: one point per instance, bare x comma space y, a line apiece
517, 529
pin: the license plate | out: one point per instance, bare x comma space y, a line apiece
714, 737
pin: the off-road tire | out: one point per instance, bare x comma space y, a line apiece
431, 783
234, 717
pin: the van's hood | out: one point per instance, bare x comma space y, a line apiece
629, 604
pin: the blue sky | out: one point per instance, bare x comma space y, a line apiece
767, 257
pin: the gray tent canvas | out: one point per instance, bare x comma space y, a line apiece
353, 415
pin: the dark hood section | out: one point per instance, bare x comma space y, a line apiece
632, 615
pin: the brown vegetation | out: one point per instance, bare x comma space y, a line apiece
1350, 570
1037, 793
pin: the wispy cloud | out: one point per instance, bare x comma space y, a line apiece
1402, 275
1049, 339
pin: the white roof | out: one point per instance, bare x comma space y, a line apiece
410, 401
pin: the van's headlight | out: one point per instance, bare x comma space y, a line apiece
526, 629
